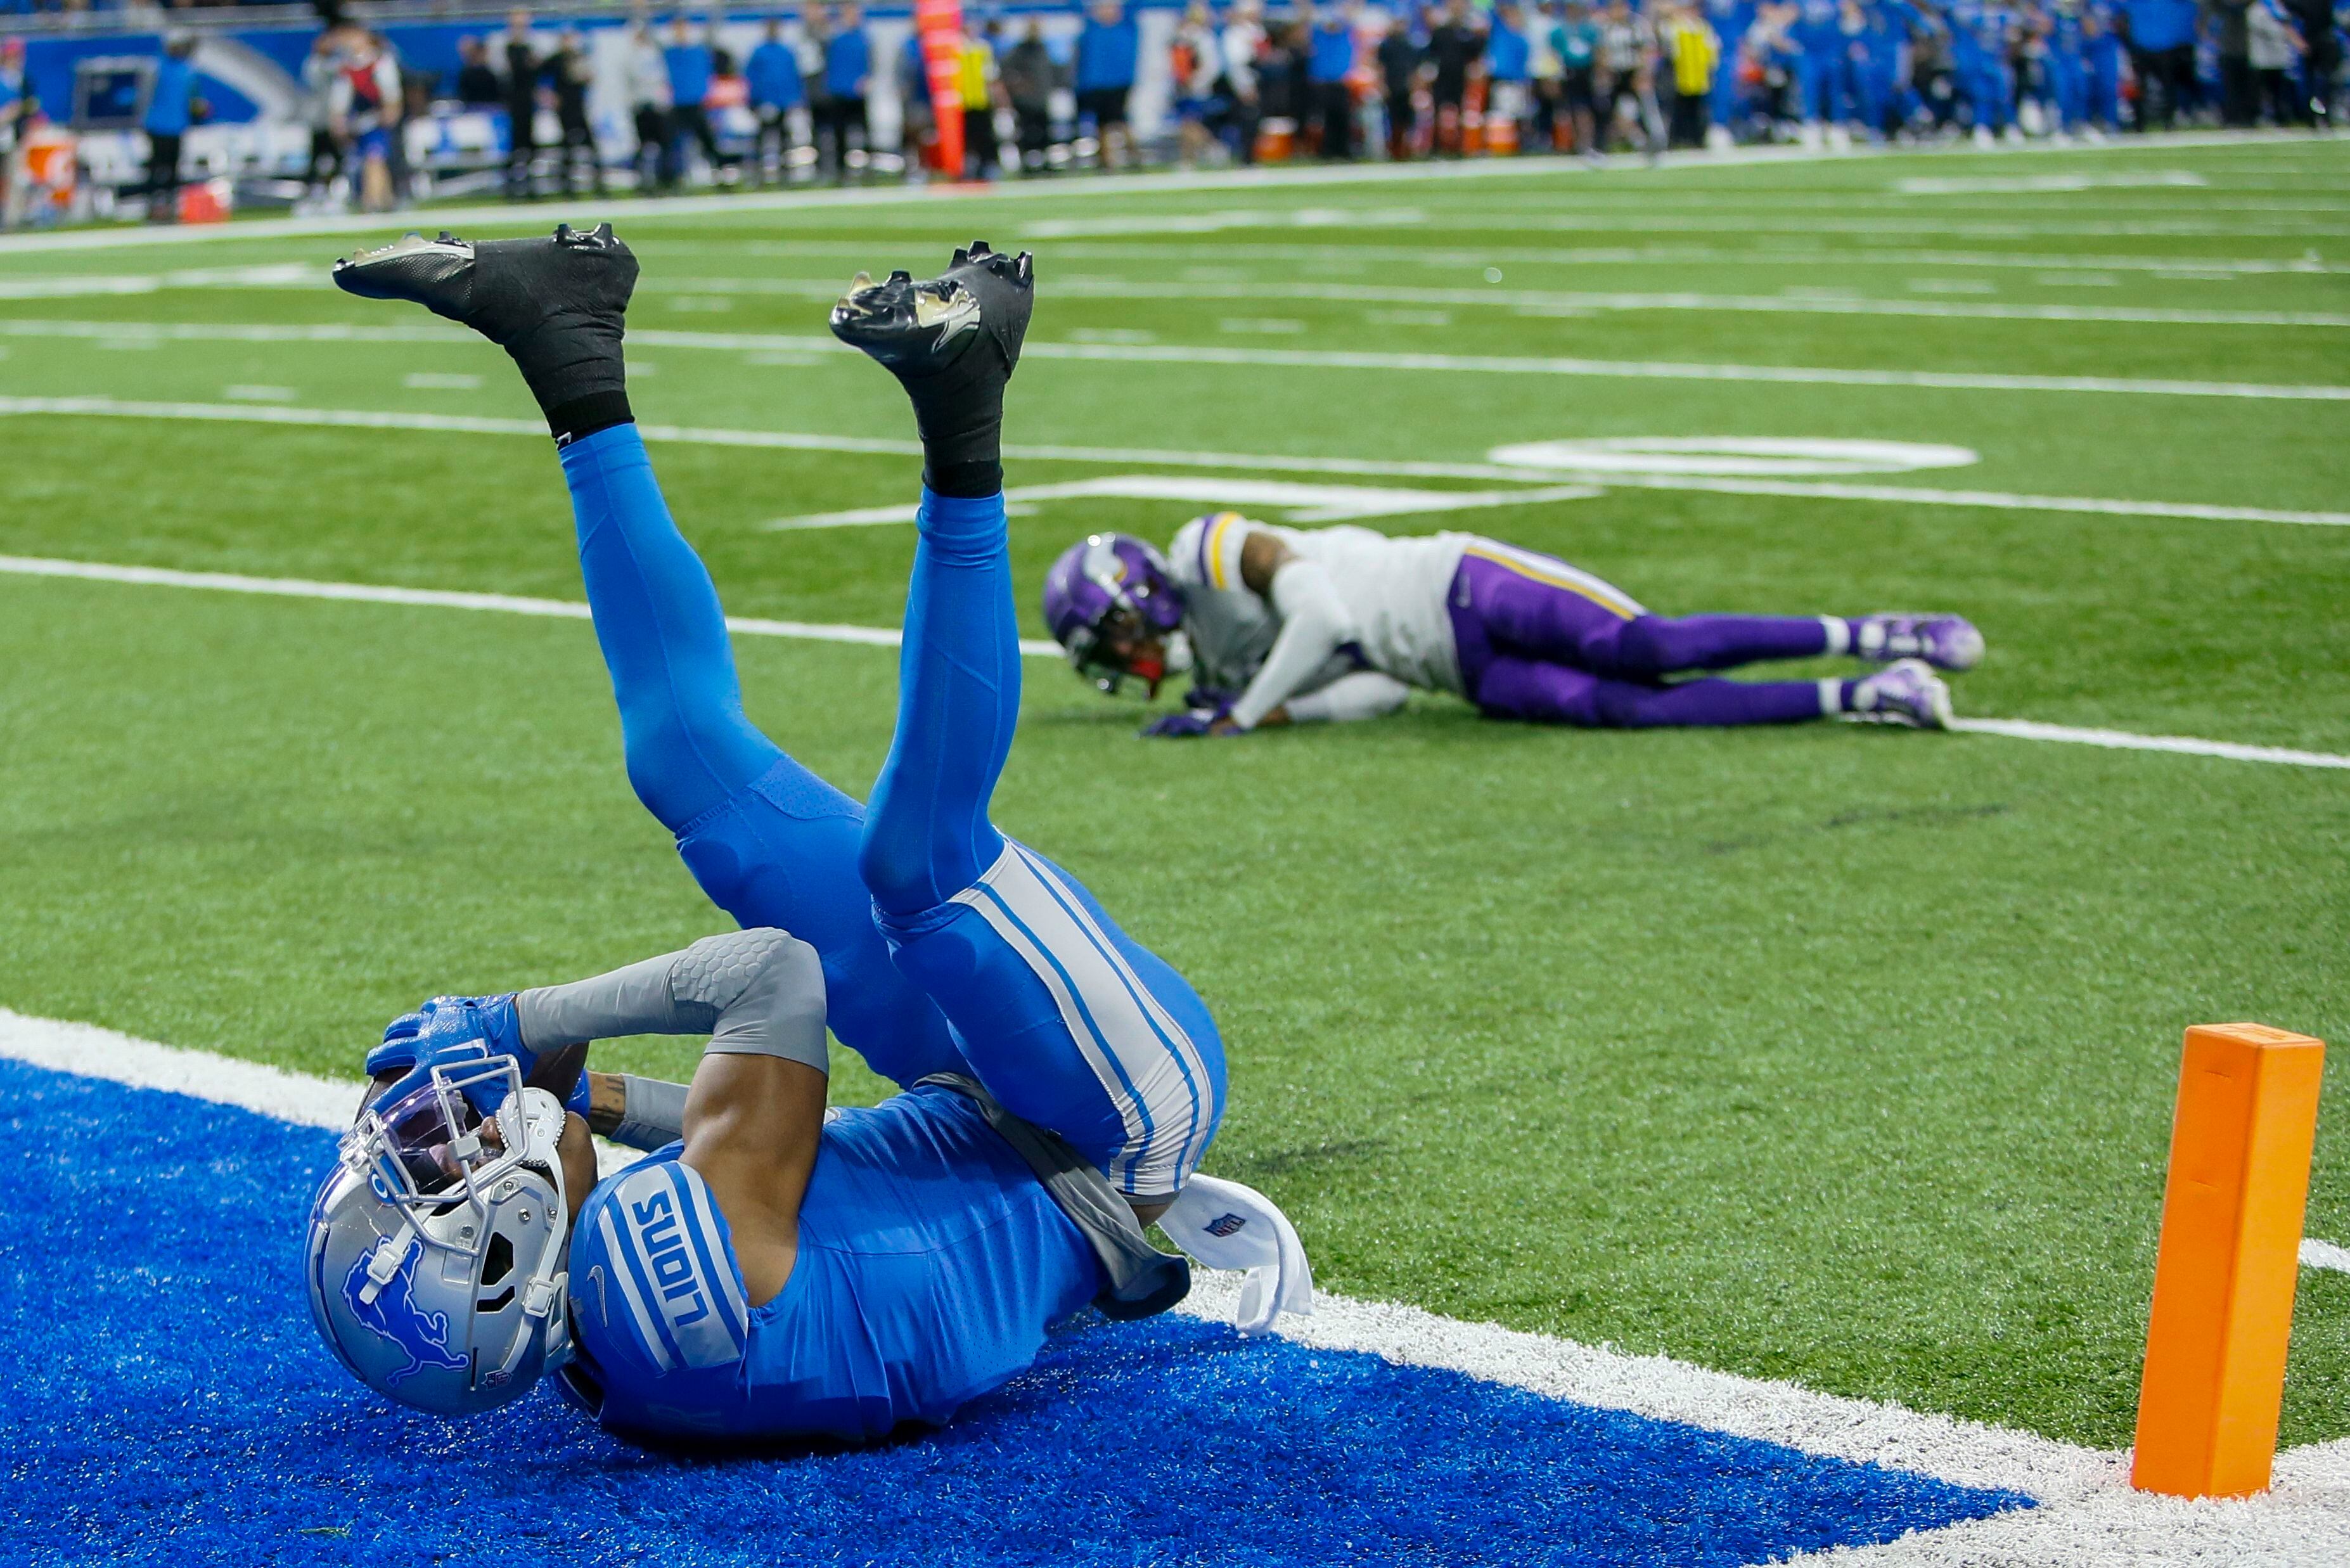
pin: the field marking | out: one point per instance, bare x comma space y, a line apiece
439, 598
1127, 457
1034, 647
2122, 740
1664, 370
2086, 1509
2038, 185
1767, 457
1567, 300
1573, 255
539, 214
1666, 223
2317, 1254
1304, 503
1125, 354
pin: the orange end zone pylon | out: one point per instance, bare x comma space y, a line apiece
2228, 1260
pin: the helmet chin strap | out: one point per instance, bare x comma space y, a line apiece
543, 1293
384, 1264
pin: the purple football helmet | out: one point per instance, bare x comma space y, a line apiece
1105, 594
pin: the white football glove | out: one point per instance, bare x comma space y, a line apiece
1224, 1225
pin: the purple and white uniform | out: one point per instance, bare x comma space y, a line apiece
1358, 617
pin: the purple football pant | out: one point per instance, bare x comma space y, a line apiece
1540, 640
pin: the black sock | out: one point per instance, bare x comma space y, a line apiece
959, 413
582, 416
573, 365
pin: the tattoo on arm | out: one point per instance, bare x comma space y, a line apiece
608, 1103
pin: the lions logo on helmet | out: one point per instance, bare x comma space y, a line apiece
436, 1244
393, 1312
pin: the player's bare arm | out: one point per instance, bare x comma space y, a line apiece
751, 1127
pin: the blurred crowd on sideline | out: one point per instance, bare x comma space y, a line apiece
1248, 84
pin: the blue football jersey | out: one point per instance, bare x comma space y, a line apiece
932, 1261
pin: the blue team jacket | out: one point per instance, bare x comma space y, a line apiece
1508, 54
775, 76
1106, 55
169, 106
688, 73
847, 64
932, 1261
1333, 56
2161, 24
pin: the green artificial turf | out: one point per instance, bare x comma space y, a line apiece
1828, 1053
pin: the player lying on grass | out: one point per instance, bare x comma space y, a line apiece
1290, 626
776, 1270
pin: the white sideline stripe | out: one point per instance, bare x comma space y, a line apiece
89, 1051
792, 440
1034, 647
539, 214
2121, 740
441, 598
2317, 1254
1287, 359
2087, 1517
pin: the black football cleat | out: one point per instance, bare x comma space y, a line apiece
558, 304
501, 289
922, 328
953, 343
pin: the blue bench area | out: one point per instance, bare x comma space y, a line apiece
168, 1399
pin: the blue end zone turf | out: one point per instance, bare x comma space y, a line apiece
167, 1399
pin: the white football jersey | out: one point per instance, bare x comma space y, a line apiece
1396, 588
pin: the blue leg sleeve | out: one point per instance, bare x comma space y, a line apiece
1067, 1020
688, 745
769, 841
927, 837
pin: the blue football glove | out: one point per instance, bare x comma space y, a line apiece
451, 1032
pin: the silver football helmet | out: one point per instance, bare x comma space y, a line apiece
436, 1245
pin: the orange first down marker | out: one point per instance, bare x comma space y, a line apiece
2228, 1260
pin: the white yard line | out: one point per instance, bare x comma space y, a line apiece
1262, 462
2317, 1254
1132, 354
2086, 1508
2123, 741
1668, 370
1525, 299
1038, 648
541, 215
438, 598
1439, 255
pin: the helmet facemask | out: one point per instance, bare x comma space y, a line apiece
1113, 605
437, 1245
1097, 653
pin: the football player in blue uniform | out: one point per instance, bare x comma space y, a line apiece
776, 1270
